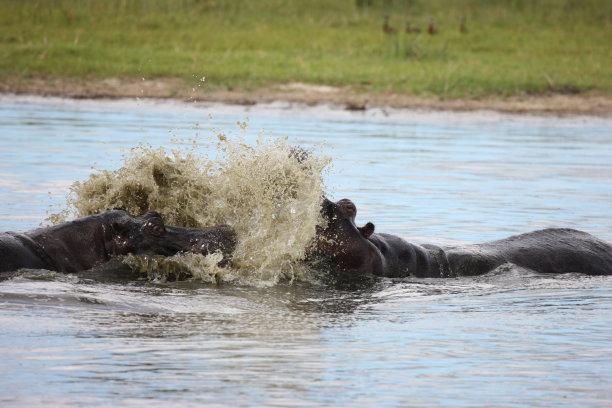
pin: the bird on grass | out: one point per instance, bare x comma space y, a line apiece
387, 29
431, 29
462, 28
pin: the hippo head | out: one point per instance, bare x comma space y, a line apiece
147, 235
346, 244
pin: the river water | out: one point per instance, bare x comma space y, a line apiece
510, 338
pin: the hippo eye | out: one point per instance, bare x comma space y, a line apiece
155, 228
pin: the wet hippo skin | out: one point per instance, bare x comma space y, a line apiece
86, 242
362, 251
344, 243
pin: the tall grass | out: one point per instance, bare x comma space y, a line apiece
512, 46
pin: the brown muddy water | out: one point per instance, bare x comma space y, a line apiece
270, 332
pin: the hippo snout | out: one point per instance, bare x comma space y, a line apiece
219, 238
347, 207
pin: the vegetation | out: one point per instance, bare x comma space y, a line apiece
511, 47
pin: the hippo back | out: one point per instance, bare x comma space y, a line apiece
554, 250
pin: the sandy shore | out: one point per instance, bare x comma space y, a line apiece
555, 104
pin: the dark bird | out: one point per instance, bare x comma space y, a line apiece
462, 28
432, 30
387, 29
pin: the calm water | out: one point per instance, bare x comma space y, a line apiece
506, 339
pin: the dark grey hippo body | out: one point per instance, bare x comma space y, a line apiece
86, 242
361, 251
554, 250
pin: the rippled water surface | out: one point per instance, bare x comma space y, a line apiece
510, 338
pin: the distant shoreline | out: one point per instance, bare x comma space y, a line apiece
177, 88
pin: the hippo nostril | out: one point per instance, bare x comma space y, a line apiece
348, 207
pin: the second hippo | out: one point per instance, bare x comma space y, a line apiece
359, 250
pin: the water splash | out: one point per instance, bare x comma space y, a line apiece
270, 192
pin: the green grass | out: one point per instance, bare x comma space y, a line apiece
512, 47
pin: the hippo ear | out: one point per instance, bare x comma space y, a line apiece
152, 214
367, 229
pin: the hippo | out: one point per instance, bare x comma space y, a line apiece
86, 242
361, 251
345, 244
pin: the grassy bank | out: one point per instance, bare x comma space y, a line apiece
512, 47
